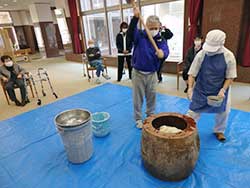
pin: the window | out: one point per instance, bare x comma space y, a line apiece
62, 24
172, 16
63, 28
85, 5
128, 15
13, 36
5, 18
113, 2
125, 2
114, 19
97, 4
1, 42
95, 28
39, 36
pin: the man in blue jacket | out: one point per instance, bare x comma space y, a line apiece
145, 62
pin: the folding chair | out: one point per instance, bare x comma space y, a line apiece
93, 69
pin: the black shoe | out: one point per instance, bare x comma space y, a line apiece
185, 91
17, 102
27, 101
23, 103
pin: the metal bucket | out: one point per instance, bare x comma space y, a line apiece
74, 126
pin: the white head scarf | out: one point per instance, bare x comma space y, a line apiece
215, 41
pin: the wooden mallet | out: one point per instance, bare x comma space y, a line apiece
132, 2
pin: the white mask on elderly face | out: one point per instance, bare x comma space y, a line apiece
154, 32
9, 64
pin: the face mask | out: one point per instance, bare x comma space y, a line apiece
91, 45
154, 32
197, 42
9, 64
124, 30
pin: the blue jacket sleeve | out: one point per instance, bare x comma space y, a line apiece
133, 31
164, 47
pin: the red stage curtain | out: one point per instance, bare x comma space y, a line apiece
74, 21
246, 54
195, 7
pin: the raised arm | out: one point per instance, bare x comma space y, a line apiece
133, 31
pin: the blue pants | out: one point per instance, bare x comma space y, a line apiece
98, 65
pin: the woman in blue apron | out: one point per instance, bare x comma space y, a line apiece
214, 68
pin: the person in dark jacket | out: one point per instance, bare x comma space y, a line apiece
166, 34
190, 57
124, 46
12, 74
94, 57
145, 62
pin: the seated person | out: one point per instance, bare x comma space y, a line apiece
94, 57
11, 74
190, 57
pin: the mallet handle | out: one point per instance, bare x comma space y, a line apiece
146, 29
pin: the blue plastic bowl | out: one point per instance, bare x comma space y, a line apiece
100, 125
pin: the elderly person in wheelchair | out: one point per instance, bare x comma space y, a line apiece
11, 75
94, 57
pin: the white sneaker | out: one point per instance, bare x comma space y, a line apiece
139, 124
107, 77
97, 81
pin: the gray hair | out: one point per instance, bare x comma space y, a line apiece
153, 19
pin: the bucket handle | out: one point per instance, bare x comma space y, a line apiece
60, 129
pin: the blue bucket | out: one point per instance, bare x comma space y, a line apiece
100, 125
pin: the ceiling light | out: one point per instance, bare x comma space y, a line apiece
1, 6
5, 4
14, 1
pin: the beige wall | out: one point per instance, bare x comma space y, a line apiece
16, 18
225, 15
40, 13
64, 5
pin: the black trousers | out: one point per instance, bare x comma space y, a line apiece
159, 71
10, 89
121, 66
185, 74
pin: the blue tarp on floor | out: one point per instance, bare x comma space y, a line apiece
32, 153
